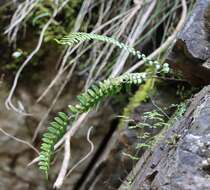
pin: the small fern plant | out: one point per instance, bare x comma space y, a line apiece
94, 95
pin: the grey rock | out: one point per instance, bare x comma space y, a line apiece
184, 164
191, 51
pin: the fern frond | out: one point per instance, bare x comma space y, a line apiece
109, 87
54, 133
77, 37
92, 96
87, 101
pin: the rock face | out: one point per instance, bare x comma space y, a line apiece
191, 51
180, 160
113, 165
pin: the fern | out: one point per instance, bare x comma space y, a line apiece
56, 130
89, 99
77, 37
96, 93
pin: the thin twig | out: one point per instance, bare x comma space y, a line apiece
53, 103
75, 127
87, 155
19, 140
135, 33
67, 154
167, 43
8, 102
62, 174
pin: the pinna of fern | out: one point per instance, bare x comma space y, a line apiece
89, 99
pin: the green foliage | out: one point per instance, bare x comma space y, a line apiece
130, 156
140, 96
180, 111
77, 37
147, 140
159, 122
61, 25
155, 116
89, 99
56, 130
106, 88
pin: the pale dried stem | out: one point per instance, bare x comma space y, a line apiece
53, 102
67, 154
8, 103
75, 127
63, 171
132, 38
19, 140
168, 42
86, 156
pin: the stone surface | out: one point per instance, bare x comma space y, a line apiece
113, 165
191, 51
180, 160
